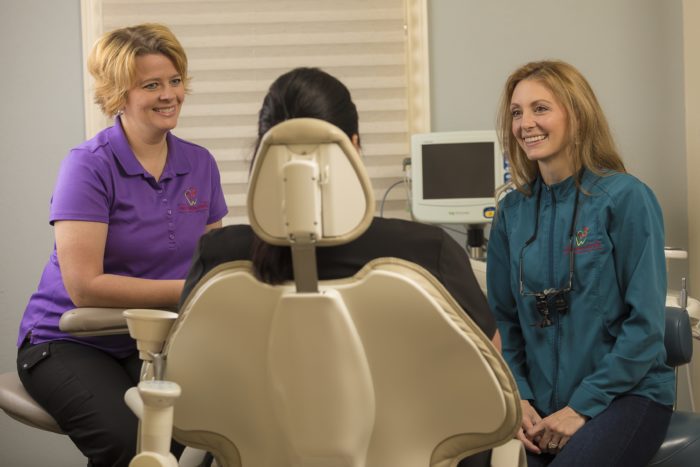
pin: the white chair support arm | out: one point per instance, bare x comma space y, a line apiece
509, 455
153, 403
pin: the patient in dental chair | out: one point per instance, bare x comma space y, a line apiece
312, 93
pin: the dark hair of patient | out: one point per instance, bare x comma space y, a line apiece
302, 92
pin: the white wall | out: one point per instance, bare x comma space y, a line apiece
691, 18
631, 51
41, 117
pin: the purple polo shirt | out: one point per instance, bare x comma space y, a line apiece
154, 225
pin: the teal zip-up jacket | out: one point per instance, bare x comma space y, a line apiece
611, 340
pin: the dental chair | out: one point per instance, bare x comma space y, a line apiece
380, 369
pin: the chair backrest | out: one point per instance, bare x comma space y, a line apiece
379, 369
678, 337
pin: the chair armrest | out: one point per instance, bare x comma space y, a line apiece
90, 321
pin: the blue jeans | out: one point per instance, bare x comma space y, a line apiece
628, 433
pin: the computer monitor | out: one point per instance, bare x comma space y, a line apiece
455, 176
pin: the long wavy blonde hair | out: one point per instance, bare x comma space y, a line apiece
590, 143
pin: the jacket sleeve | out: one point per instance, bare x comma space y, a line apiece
635, 228
503, 304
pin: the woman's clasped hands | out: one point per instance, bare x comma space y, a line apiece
549, 434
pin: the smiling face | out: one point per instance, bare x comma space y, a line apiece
540, 125
153, 103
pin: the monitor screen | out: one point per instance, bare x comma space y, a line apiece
458, 170
455, 176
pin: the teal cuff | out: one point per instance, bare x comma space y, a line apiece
588, 401
524, 389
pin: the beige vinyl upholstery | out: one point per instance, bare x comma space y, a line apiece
93, 321
387, 371
18, 404
380, 369
334, 207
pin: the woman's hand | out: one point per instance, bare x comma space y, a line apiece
555, 430
530, 419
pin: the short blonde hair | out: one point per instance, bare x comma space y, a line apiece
590, 142
112, 61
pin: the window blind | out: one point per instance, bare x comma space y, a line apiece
377, 48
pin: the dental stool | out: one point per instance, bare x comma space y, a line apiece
18, 404
380, 369
15, 400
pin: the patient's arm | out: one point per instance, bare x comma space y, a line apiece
497, 341
80, 248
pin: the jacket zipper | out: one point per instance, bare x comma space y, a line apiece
555, 388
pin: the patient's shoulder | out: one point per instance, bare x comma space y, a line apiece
400, 228
228, 243
405, 239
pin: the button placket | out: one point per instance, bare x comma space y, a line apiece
168, 214
171, 223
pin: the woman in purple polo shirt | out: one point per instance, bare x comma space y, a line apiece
128, 209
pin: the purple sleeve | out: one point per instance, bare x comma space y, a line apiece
218, 208
81, 192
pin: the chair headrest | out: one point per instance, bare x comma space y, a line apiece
308, 186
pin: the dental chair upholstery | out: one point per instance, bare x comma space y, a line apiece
375, 370
18, 404
681, 447
339, 380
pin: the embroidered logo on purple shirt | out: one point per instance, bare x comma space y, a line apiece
193, 204
191, 196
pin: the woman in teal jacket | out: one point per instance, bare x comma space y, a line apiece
576, 279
